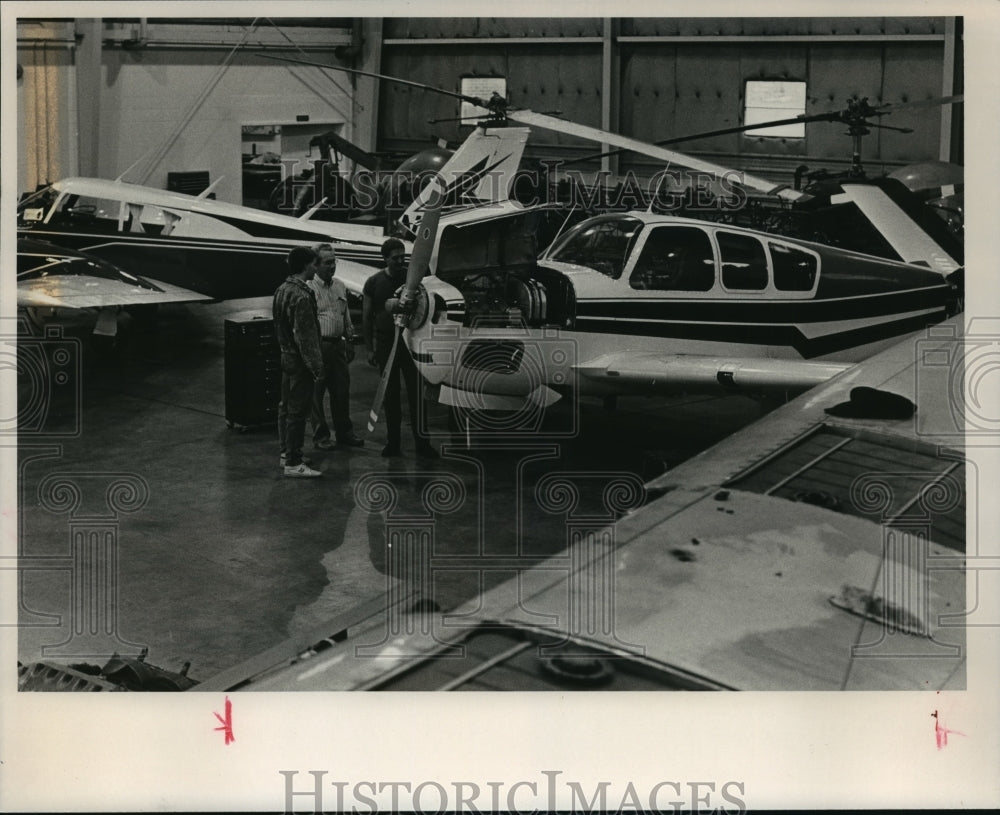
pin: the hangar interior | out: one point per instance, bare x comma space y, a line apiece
173, 95
206, 556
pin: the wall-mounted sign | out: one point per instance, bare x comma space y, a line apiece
768, 101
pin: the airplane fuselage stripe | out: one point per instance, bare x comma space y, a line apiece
222, 269
789, 335
256, 245
749, 311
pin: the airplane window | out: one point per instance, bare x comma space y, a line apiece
744, 264
602, 244
87, 212
675, 258
150, 219
794, 270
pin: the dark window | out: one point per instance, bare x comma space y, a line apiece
675, 258
744, 264
602, 244
86, 213
794, 270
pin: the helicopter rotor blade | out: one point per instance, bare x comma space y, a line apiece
498, 111
924, 103
653, 151
551, 123
690, 137
474, 100
826, 116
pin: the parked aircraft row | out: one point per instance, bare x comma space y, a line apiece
645, 302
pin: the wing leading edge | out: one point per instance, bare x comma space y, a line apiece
50, 276
653, 372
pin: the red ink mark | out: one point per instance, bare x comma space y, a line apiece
941, 732
227, 722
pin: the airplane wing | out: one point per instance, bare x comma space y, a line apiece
83, 291
50, 276
803, 552
639, 371
480, 172
912, 243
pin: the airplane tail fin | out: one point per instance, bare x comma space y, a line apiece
482, 171
910, 241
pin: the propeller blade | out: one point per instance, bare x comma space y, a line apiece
375, 413
653, 151
433, 197
419, 260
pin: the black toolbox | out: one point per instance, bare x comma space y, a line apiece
253, 371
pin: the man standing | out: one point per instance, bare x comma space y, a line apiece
337, 346
379, 331
296, 325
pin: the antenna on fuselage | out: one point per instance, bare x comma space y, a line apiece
208, 190
305, 216
136, 163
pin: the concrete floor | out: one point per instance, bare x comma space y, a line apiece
189, 541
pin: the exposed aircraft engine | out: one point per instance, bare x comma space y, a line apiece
492, 264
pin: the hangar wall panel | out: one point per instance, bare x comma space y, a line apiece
460, 27
780, 26
564, 77
914, 70
675, 76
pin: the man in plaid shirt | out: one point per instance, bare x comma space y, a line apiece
296, 324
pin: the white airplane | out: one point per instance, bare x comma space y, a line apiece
199, 248
821, 548
642, 303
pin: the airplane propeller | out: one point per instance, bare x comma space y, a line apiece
500, 112
404, 307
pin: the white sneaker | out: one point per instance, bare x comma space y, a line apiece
284, 457
301, 471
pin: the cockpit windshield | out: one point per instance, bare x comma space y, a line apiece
601, 243
34, 206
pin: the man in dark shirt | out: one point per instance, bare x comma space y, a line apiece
296, 325
379, 330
